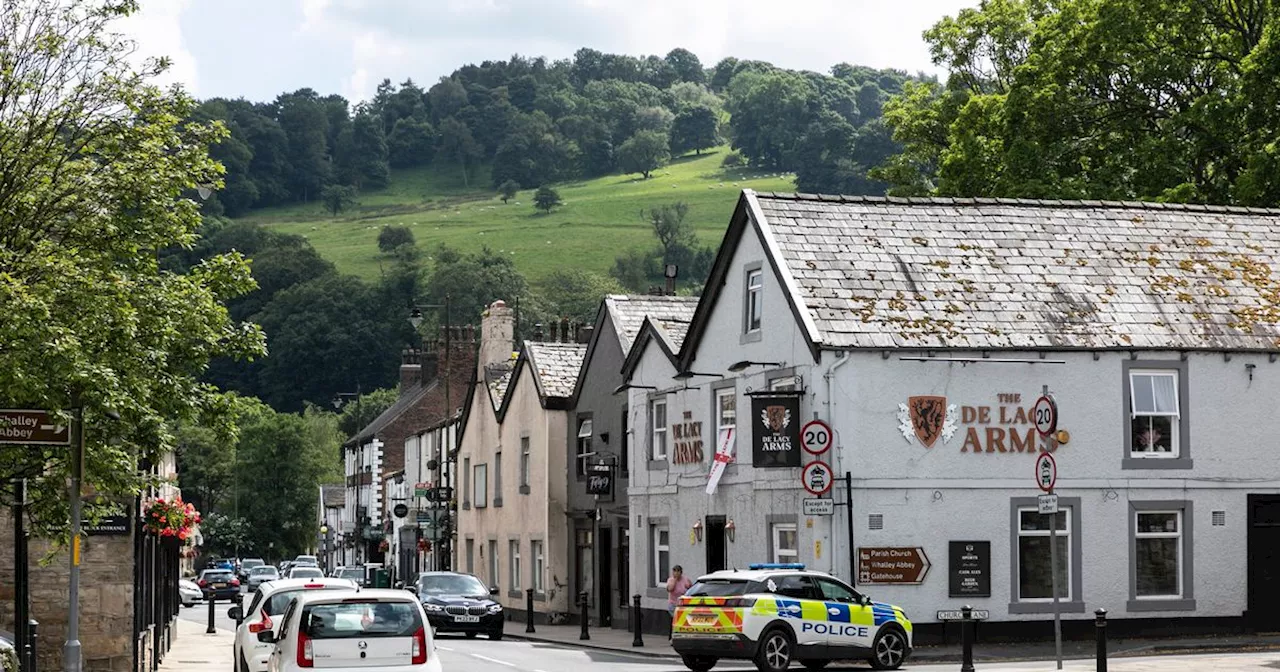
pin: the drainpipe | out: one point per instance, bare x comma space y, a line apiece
842, 359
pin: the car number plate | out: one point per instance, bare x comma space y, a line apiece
702, 619
466, 619
219, 585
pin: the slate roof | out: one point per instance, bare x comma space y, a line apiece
498, 385
404, 402
672, 313
1001, 273
555, 366
333, 495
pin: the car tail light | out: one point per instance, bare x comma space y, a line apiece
314, 585
235, 582
263, 625
305, 657
740, 603
420, 646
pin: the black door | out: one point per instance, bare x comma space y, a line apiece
1264, 571
715, 544
604, 592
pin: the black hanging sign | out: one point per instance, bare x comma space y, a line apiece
775, 443
969, 569
600, 481
110, 526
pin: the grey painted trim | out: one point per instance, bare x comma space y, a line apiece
539, 597
524, 490
770, 520
648, 429
1185, 603
1076, 576
515, 593
658, 465
497, 502
655, 521
748, 335
1183, 460
713, 427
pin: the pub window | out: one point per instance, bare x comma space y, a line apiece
584, 445
726, 412
539, 563
1154, 413
754, 306
1034, 578
658, 429
786, 543
1158, 554
660, 538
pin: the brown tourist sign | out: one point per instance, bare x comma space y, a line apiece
33, 427
892, 565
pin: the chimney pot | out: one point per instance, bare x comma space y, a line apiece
564, 330
537, 331
555, 327
584, 333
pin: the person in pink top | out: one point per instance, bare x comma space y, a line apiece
677, 585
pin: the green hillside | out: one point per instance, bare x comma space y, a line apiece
599, 220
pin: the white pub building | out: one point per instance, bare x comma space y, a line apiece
922, 332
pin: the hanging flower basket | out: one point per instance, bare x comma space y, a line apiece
172, 519
424, 546
384, 546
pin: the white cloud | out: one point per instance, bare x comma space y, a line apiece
157, 29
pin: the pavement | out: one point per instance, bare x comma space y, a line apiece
194, 650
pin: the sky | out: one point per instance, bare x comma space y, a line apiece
257, 49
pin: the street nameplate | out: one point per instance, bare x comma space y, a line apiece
818, 506
32, 427
958, 614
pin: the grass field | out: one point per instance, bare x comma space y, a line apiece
599, 220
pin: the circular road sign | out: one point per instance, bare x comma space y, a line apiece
1046, 472
400, 511
1045, 414
817, 478
815, 436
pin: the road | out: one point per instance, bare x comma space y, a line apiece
478, 655
200, 614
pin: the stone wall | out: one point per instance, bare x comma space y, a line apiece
106, 598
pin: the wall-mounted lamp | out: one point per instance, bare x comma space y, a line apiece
1250, 367
628, 386
730, 530
697, 530
686, 375
746, 364
604, 436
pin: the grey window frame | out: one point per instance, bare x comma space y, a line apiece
471, 554
657, 463
774, 519
536, 578
651, 548
1183, 460
749, 334
475, 472
495, 564
1187, 602
714, 441
776, 376
580, 462
466, 483
514, 567
526, 463
497, 479
1076, 604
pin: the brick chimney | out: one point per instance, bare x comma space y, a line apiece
497, 331
410, 369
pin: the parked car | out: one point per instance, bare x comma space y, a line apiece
355, 574
457, 602
305, 572
264, 609
221, 563
220, 584
189, 593
247, 566
372, 630
260, 574
307, 560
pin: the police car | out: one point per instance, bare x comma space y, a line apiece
774, 614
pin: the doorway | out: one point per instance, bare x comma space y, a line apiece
1264, 571
716, 559
604, 592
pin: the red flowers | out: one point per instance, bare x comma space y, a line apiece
174, 519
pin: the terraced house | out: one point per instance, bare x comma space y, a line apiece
920, 333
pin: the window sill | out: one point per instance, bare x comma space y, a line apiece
1156, 463
1174, 604
516, 593
658, 465
656, 592
466, 506
752, 336
1074, 607
524, 489
539, 597
497, 503
481, 506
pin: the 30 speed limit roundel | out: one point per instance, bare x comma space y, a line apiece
815, 436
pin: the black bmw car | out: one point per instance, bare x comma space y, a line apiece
459, 603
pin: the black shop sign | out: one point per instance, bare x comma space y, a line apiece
775, 443
600, 481
110, 526
969, 569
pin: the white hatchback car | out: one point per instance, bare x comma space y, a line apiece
372, 630
266, 606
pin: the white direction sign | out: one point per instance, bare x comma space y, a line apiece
818, 506
1045, 415
1047, 504
817, 478
1046, 472
815, 436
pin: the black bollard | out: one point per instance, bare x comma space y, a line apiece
637, 621
966, 639
33, 627
1100, 629
582, 601
211, 630
528, 601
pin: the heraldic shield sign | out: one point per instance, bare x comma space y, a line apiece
927, 418
776, 439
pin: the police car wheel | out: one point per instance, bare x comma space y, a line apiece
889, 650
774, 652
698, 663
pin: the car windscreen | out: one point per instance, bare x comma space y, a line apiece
351, 573
278, 601
250, 564
221, 575
451, 584
305, 573
363, 619
264, 570
718, 588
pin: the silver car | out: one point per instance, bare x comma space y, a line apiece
259, 575
189, 593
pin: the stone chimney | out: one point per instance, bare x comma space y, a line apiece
565, 336
430, 364
410, 369
583, 333
497, 329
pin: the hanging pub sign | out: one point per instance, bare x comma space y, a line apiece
600, 480
775, 443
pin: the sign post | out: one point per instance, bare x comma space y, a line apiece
1045, 415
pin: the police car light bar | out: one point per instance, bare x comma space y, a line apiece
776, 565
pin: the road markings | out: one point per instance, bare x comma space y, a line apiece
444, 648
492, 660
